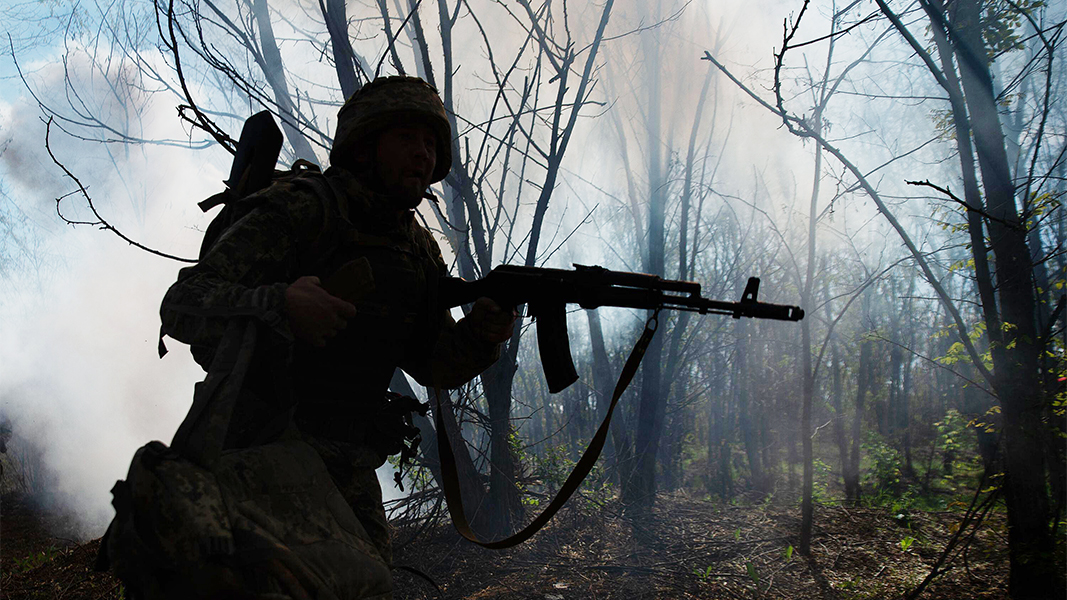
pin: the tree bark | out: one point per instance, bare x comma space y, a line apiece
1016, 365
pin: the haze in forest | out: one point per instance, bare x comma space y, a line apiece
80, 376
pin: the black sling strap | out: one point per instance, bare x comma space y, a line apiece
450, 480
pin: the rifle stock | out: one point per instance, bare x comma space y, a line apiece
547, 292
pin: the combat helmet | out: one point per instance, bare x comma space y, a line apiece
387, 101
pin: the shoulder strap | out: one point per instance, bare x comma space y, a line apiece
202, 433
450, 480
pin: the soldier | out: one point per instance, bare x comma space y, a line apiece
342, 279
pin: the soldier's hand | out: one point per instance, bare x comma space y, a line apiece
315, 315
491, 323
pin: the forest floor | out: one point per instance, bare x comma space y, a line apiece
689, 548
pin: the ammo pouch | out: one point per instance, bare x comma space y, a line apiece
194, 521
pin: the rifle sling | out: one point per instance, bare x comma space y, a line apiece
450, 479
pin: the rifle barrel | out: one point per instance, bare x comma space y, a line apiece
756, 310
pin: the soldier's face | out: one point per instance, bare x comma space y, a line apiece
405, 161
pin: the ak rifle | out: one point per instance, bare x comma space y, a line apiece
547, 292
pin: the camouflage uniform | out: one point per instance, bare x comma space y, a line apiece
337, 227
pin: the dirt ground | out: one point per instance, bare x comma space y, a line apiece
690, 548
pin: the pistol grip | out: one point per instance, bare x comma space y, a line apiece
554, 345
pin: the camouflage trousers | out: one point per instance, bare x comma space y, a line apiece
352, 467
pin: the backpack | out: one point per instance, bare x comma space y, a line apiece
252, 170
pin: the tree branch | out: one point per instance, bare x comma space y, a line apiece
100, 221
964, 203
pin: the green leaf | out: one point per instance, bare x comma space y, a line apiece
752, 574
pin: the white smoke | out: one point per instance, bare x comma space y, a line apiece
80, 378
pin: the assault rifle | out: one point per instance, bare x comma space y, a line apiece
546, 292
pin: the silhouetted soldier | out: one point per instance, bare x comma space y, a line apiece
341, 277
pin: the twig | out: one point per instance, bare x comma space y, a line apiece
100, 222
202, 121
968, 519
788, 32
391, 48
963, 203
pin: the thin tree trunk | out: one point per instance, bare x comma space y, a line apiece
749, 434
642, 492
836, 398
619, 443
863, 377
1031, 553
345, 58
274, 71
807, 508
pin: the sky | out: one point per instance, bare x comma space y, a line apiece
80, 377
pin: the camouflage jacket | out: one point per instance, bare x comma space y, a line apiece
315, 224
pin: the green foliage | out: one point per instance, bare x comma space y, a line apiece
946, 130
950, 432
819, 489
555, 466
415, 476
857, 588
958, 352
787, 554
964, 264
884, 475
1001, 24
703, 574
905, 543
37, 559
988, 420
753, 573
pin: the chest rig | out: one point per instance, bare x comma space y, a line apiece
390, 273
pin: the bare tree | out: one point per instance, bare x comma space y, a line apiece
1015, 374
